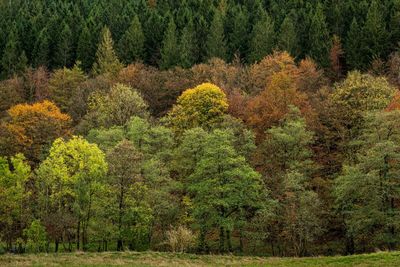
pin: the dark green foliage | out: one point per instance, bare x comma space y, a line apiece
216, 42
131, 45
170, 48
262, 38
63, 50
187, 46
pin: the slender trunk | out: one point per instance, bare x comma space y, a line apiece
228, 239
241, 240
221, 240
78, 236
56, 246
120, 210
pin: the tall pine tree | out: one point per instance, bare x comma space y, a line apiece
170, 49
131, 45
318, 39
86, 49
63, 53
41, 51
216, 43
287, 40
107, 61
10, 57
263, 39
187, 46
354, 55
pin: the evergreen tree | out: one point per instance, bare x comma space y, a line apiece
354, 54
287, 40
170, 48
319, 40
238, 37
187, 46
131, 45
63, 53
10, 57
107, 61
41, 51
263, 39
86, 49
376, 36
216, 43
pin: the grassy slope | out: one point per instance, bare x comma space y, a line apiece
168, 259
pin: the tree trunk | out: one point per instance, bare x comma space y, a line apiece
221, 240
78, 236
228, 239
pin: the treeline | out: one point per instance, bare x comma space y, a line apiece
278, 157
183, 33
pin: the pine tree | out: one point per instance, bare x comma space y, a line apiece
354, 55
85, 50
263, 39
41, 50
170, 48
238, 37
10, 57
187, 46
216, 43
131, 45
375, 33
318, 39
107, 61
63, 53
287, 40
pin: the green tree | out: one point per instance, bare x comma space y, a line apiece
287, 39
216, 42
70, 179
170, 48
239, 34
376, 35
85, 49
63, 52
65, 87
131, 45
11, 53
127, 187
367, 192
14, 212
262, 38
36, 237
220, 180
114, 108
107, 61
41, 50
319, 39
187, 46
354, 54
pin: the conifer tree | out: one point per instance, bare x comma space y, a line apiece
287, 40
238, 37
376, 36
216, 43
131, 45
85, 50
354, 56
187, 46
107, 61
263, 38
170, 48
41, 50
10, 57
319, 39
63, 53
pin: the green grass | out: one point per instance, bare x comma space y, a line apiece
170, 259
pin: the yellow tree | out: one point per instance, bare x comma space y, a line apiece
201, 106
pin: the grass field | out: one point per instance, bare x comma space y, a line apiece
168, 259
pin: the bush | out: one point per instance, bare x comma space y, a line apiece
180, 239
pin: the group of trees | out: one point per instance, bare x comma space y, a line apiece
281, 156
183, 33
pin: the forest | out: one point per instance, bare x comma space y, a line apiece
262, 127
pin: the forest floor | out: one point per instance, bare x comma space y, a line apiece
170, 259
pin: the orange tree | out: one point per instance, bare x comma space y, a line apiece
32, 128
